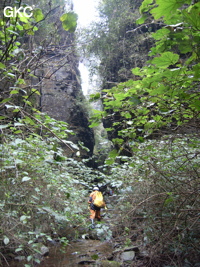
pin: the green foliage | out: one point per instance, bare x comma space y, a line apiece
159, 179
38, 185
19, 100
165, 60
69, 21
94, 97
96, 118
159, 193
16, 76
165, 93
38, 15
39, 192
167, 9
95, 257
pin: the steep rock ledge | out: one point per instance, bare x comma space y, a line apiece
61, 94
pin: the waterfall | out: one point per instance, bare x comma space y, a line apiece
86, 11
84, 78
91, 83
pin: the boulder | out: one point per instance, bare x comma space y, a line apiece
127, 255
44, 251
106, 263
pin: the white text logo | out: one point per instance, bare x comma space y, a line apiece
13, 11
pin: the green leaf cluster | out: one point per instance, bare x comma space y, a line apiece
164, 94
69, 21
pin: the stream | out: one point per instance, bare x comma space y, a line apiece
81, 253
104, 246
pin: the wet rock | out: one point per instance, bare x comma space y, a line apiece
127, 255
100, 232
106, 263
93, 235
85, 236
44, 251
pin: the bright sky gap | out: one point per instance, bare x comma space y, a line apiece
86, 10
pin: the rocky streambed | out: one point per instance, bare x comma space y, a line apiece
103, 246
92, 253
108, 244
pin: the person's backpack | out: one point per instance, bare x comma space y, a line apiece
98, 201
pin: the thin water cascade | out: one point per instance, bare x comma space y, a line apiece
91, 84
84, 72
87, 13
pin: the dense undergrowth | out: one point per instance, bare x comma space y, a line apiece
43, 191
160, 199
154, 119
157, 190
38, 195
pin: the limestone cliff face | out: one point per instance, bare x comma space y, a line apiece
61, 94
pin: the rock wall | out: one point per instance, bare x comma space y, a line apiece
61, 94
